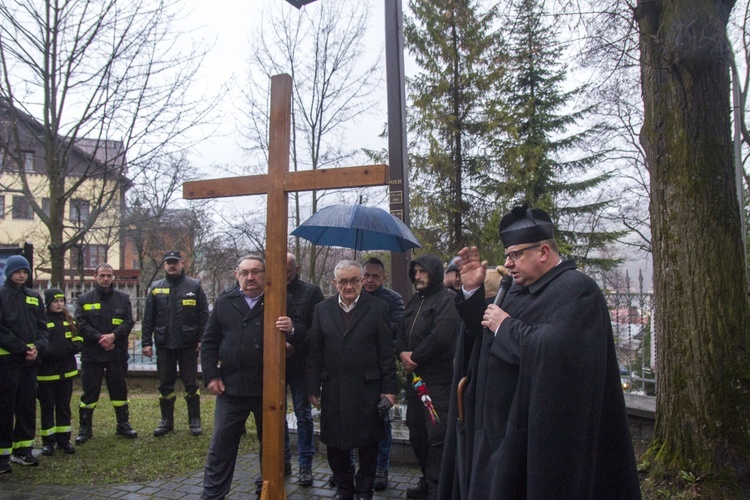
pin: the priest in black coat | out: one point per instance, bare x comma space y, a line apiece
545, 414
351, 376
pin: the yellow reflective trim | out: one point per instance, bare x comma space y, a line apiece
158, 291
62, 428
77, 339
5, 451
47, 378
189, 302
48, 432
117, 321
70, 374
23, 444
68, 335
3, 352
89, 307
65, 323
89, 406
119, 403
32, 300
50, 325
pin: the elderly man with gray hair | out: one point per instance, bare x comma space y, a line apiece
351, 376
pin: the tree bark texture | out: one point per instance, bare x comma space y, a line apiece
701, 303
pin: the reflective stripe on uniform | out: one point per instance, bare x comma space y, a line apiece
89, 307
119, 403
32, 300
89, 406
160, 291
48, 432
189, 302
71, 374
117, 321
4, 452
50, 325
23, 444
47, 378
3, 352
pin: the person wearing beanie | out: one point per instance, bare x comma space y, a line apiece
527, 433
56, 373
175, 317
105, 319
425, 345
23, 337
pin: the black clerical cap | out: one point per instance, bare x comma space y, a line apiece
526, 225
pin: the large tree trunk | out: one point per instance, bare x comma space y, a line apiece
701, 307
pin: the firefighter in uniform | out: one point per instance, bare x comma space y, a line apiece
23, 335
55, 374
105, 319
175, 317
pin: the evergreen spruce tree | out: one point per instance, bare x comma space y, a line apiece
544, 156
453, 100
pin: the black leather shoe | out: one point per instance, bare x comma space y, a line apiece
48, 450
67, 448
381, 480
305, 477
419, 491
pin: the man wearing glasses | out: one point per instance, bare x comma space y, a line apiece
545, 414
232, 363
351, 377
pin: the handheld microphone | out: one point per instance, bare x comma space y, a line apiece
505, 284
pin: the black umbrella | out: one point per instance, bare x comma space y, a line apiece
358, 227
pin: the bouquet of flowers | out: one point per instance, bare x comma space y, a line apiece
424, 394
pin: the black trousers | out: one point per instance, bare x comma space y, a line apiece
54, 404
92, 374
17, 410
230, 415
339, 459
428, 440
166, 366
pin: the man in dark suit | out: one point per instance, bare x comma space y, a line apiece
351, 357
232, 362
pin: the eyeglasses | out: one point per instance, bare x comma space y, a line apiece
514, 255
352, 282
255, 272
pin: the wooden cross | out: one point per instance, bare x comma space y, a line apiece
277, 184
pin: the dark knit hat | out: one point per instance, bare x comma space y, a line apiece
526, 225
51, 294
15, 263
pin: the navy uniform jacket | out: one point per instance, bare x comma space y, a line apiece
176, 314
100, 312
22, 323
58, 361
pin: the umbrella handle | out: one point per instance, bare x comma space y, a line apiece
460, 397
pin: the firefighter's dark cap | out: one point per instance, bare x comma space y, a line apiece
172, 255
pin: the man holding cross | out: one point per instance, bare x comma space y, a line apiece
232, 362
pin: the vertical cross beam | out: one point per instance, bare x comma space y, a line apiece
274, 352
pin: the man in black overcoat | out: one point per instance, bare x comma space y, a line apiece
545, 414
232, 363
351, 376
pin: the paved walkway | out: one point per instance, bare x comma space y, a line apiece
243, 486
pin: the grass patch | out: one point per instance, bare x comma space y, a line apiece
111, 459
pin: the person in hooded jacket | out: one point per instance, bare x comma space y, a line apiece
425, 345
56, 372
23, 336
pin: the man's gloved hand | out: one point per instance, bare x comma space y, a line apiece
383, 406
